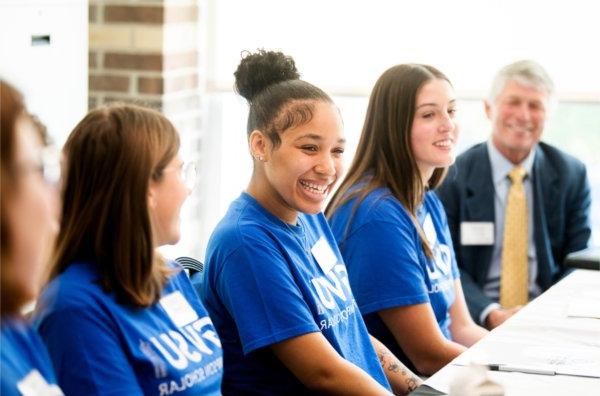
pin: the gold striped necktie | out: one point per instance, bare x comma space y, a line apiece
514, 274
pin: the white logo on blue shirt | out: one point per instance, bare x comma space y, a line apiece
160, 368
440, 266
179, 350
330, 285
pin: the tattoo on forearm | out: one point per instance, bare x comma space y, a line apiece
381, 355
395, 366
412, 383
405, 380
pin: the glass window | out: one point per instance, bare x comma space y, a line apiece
342, 46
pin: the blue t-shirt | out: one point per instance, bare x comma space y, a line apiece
265, 282
101, 347
24, 361
387, 265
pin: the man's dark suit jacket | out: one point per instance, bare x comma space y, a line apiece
561, 206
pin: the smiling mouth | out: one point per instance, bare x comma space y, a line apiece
314, 188
446, 143
520, 128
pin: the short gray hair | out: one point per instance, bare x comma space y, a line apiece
526, 72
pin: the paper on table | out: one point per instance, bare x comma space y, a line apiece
580, 361
517, 384
566, 361
584, 309
574, 332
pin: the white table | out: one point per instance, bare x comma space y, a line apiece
551, 332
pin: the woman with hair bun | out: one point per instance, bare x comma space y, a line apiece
117, 318
28, 226
275, 283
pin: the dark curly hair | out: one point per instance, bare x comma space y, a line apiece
278, 99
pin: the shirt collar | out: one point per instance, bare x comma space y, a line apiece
501, 166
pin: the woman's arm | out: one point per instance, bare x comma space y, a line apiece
417, 332
463, 329
320, 368
402, 380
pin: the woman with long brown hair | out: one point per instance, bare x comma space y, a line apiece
28, 225
117, 317
391, 227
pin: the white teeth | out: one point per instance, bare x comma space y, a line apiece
320, 188
443, 143
520, 128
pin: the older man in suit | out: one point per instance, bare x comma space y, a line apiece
516, 206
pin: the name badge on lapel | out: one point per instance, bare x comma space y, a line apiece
325, 257
178, 309
476, 233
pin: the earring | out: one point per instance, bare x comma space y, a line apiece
258, 157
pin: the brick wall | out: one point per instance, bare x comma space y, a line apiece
143, 51
147, 52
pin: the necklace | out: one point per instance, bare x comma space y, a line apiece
299, 233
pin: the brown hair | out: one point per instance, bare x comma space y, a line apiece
110, 157
384, 156
12, 108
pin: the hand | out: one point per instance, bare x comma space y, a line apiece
497, 316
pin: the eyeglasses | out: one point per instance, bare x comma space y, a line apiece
187, 173
48, 166
51, 165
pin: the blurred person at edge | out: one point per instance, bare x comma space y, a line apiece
28, 228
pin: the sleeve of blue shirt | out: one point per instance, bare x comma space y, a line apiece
258, 289
383, 265
84, 339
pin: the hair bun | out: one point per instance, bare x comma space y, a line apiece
258, 70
